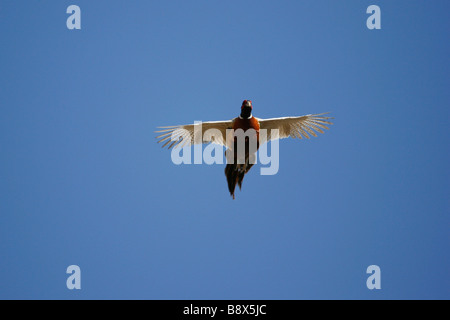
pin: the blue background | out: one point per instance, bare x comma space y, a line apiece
83, 181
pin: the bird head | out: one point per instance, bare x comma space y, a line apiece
246, 109
247, 103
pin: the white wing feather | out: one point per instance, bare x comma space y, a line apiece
183, 135
295, 127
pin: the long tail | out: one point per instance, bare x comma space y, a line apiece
235, 175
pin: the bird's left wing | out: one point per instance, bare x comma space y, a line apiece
295, 127
198, 133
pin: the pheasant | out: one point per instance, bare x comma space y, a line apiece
295, 127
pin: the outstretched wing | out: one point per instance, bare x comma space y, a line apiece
203, 132
295, 127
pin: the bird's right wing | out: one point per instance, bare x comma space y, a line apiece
198, 133
295, 127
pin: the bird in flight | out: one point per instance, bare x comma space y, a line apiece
275, 128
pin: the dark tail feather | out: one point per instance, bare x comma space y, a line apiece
231, 172
235, 175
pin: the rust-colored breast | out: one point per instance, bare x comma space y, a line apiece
246, 124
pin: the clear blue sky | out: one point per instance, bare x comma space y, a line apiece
83, 181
